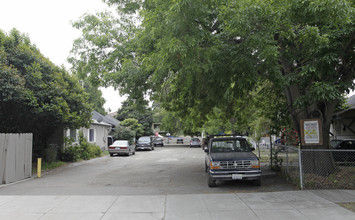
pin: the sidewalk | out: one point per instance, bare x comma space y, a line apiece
316, 204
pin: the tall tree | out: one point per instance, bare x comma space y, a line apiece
194, 55
95, 96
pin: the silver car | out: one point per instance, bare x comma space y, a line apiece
195, 142
121, 147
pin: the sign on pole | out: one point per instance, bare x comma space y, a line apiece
311, 132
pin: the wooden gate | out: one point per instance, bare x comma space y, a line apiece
15, 157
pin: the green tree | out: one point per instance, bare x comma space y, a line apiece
171, 123
37, 96
95, 96
123, 133
195, 55
143, 114
133, 124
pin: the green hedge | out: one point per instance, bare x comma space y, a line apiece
84, 150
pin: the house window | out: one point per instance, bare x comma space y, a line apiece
73, 135
91, 135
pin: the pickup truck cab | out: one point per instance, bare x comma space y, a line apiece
231, 158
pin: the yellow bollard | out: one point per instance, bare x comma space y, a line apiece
39, 167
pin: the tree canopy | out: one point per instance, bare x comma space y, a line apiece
195, 55
35, 95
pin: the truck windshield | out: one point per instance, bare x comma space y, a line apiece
230, 146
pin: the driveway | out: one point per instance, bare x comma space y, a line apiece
168, 170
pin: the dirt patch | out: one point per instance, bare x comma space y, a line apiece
348, 205
343, 178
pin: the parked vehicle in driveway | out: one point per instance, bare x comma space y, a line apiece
231, 158
195, 142
121, 147
344, 150
158, 141
145, 143
180, 140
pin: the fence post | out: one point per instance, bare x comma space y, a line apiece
271, 152
39, 167
286, 148
300, 166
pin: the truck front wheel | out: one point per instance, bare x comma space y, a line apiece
211, 182
257, 182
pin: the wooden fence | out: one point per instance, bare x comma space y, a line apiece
15, 157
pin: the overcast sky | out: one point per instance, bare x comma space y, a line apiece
48, 24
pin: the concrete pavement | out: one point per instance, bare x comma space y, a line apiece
315, 204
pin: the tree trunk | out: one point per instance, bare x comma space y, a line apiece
315, 161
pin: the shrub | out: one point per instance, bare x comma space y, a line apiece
69, 154
96, 151
84, 150
51, 154
276, 162
88, 150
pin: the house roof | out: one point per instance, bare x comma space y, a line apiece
100, 123
97, 116
113, 114
104, 119
111, 120
351, 102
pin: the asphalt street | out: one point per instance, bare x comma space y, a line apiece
168, 183
174, 169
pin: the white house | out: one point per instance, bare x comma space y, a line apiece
96, 134
343, 125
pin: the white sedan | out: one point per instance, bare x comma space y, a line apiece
121, 147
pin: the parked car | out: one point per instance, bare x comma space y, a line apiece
180, 140
110, 140
231, 158
158, 141
195, 142
346, 149
121, 147
144, 143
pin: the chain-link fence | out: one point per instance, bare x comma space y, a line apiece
328, 169
286, 159
317, 168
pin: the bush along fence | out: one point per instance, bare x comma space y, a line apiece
316, 168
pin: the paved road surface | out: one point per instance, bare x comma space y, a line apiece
166, 170
167, 184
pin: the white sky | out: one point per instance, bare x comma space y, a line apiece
48, 24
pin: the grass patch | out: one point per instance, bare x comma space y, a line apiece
348, 205
52, 165
48, 166
264, 155
104, 153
